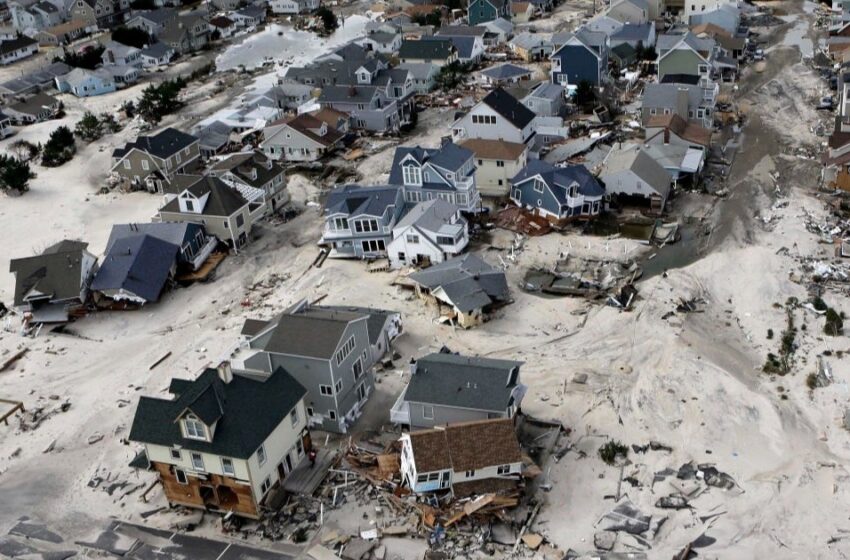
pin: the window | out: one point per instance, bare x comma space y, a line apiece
340, 223
194, 429
428, 412
346, 349
190, 206
361, 392
357, 369
653, 111
267, 483
227, 467
538, 186
240, 220
293, 417
412, 238
422, 478
500, 163
412, 175
176, 455
180, 475
500, 182
470, 474
310, 411
197, 461
504, 469
372, 245
339, 386
434, 476
177, 157
261, 455
126, 164
145, 164
366, 226
443, 240
332, 414
326, 390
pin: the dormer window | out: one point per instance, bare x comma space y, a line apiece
194, 429
412, 175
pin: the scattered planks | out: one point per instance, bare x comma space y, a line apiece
17, 356
16, 406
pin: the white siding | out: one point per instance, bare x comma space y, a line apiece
279, 443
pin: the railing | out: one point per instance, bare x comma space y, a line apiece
400, 412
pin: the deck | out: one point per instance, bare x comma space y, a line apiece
306, 480
205, 271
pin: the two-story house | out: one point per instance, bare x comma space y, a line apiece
447, 172
446, 388
630, 172
692, 102
499, 116
102, 13
557, 193
430, 232
583, 57
432, 51
152, 22
370, 107
482, 11
13, 50
496, 163
456, 458
258, 179
359, 220
686, 54
224, 439
300, 138
328, 350
154, 160
186, 33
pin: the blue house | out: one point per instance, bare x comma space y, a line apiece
482, 11
86, 83
447, 172
557, 193
582, 57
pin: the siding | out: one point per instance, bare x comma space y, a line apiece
577, 64
679, 61
443, 415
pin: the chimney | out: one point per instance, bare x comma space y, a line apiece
412, 366
225, 372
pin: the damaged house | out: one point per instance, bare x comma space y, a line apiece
499, 116
445, 388
557, 193
135, 270
194, 245
430, 232
463, 459
259, 180
154, 160
630, 173
225, 439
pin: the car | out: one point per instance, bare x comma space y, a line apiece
759, 54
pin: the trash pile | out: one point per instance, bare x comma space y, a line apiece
589, 278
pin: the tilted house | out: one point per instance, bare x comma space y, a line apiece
429, 233
329, 351
505, 74
437, 52
155, 160
673, 129
55, 284
86, 83
583, 57
135, 270
300, 138
193, 243
259, 180
447, 172
225, 439
445, 388
499, 116
462, 459
557, 193
496, 163
359, 220
13, 50
686, 54
631, 173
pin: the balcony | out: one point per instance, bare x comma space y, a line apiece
400, 412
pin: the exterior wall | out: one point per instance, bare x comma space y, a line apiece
627, 183
524, 195
282, 442
485, 473
626, 12
481, 11
501, 130
19, 54
296, 147
425, 248
680, 61
494, 180
212, 463
446, 415
347, 402
311, 373
215, 225
574, 64
190, 494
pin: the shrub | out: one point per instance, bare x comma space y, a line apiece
611, 450
15, 174
131, 36
770, 334
161, 100
89, 128
60, 147
330, 23
834, 323
812, 381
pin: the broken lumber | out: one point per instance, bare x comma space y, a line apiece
8, 363
159, 361
144, 496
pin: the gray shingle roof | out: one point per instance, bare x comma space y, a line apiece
56, 272
223, 200
634, 32
509, 107
505, 71
347, 94
140, 265
431, 216
427, 49
468, 281
15, 44
559, 179
463, 43
354, 200
176, 233
315, 333
162, 145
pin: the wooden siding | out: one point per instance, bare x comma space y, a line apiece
217, 493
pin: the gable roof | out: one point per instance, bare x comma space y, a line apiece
462, 31
468, 282
12, 45
449, 156
354, 200
433, 49
559, 179
509, 107
431, 216
138, 264
506, 71
633, 158
57, 272
176, 233
466, 446
634, 32
163, 145
464, 44
306, 124
312, 332
246, 412
462, 381
494, 149
679, 126
222, 201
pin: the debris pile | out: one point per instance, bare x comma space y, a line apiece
588, 278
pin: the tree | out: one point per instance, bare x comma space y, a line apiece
330, 23
108, 122
585, 94
435, 18
452, 75
59, 148
15, 174
143, 5
161, 100
88, 59
131, 36
89, 128
24, 150
645, 53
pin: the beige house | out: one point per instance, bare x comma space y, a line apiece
497, 162
210, 202
153, 161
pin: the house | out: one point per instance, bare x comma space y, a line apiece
583, 57
383, 42
101, 13
546, 100
482, 11
460, 457
691, 102
31, 18
504, 74
447, 172
37, 108
135, 270
370, 107
469, 49
157, 54
673, 129
557, 193
6, 129
439, 52
86, 83
466, 289
121, 55
521, 12
33, 81
631, 173
225, 26
498, 32
497, 162
214, 138
629, 11
723, 13
286, 95
62, 34
300, 138
225, 438
329, 351
156, 159
499, 116
186, 33
194, 245
446, 388
685, 54
249, 17
209, 201
683, 163
635, 35
226, 5
359, 220
53, 285
623, 56
13, 50
152, 22
735, 46
293, 6
430, 232
530, 47
258, 179
600, 23
424, 75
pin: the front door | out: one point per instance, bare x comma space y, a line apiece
281, 471
288, 463
444, 480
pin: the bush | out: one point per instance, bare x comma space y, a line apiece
819, 304
834, 323
611, 450
132, 36
812, 381
161, 100
330, 23
88, 59
24, 150
585, 94
770, 334
89, 128
15, 174
60, 147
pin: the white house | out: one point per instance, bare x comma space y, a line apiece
17, 49
497, 162
499, 116
431, 232
451, 458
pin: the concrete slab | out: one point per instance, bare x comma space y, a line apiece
35, 530
109, 541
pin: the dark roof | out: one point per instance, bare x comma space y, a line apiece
140, 265
354, 200
162, 145
253, 168
466, 446
468, 281
15, 44
309, 126
506, 71
314, 333
246, 410
449, 156
375, 321
463, 43
462, 381
176, 233
223, 200
688, 79
559, 179
56, 272
431, 49
509, 107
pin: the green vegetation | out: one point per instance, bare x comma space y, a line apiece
91, 127
132, 36
611, 450
781, 363
60, 147
330, 22
15, 174
88, 58
161, 100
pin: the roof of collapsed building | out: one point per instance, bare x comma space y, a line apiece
466, 446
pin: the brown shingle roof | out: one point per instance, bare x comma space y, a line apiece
680, 127
306, 123
494, 149
430, 450
466, 446
330, 116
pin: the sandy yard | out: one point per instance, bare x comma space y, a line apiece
691, 381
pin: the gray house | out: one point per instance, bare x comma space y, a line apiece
546, 100
447, 172
329, 351
370, 107
695, 104
446, 388
359, 220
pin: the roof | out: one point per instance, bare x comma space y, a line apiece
347, 94
253, 168
462, 31
330, 116
462, 382
466, 446
309, 126
468, 282
157, 50
12, 45
312, 333
495, 149
223, 200
634, 32
683, 129
633, 158
464, 44
376, 319
505, 71
78, 76
434, 49
158, 17
689, 79
559, 179
56, 272
176, 233
140, 264
222, 21
449, 156
247, 411
548, 90
667, 95
526, 40
420, 70
354, 200
162, 145
431, 216
509, 107
35, 104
